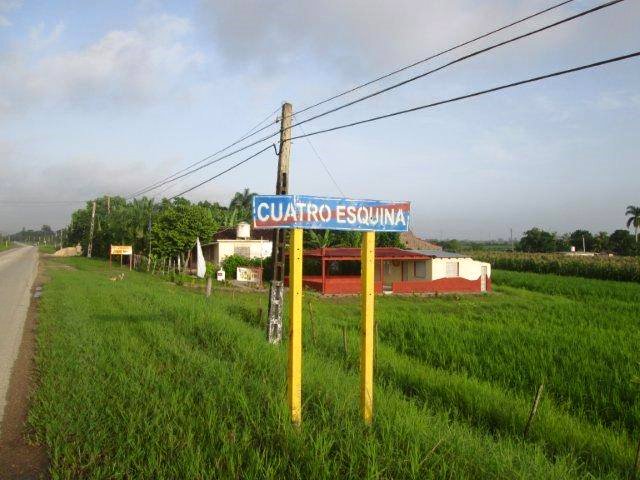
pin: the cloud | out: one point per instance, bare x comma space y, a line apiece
6, 6
369, 36
123, 67
39, 39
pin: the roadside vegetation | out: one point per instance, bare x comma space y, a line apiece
600, 267
144, 378
6, 246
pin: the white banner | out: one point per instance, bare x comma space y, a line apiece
201, 265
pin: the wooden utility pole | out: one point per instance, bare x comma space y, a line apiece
276, 293
93, 218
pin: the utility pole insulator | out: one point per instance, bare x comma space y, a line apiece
276, 293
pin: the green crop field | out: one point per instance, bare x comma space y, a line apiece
142, 378
601, 267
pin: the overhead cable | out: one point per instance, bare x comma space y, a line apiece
474, 94
251, 133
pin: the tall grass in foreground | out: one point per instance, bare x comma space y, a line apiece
143, 379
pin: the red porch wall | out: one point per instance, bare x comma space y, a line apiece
441, 285
337, 285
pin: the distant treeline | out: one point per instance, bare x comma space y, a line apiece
45, 235
536, 240
169, 228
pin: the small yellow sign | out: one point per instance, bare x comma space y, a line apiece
121, 250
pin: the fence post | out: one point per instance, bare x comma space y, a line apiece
314, 333
208, 287
534, 409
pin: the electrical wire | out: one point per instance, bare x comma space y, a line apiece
435, 55
430, 105
324, 165
382, 77
247, 135
235, 165
460, 59
474, 94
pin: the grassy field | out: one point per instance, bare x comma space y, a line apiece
6, 246
47, 248
141, 378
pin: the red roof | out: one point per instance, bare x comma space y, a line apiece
382, 253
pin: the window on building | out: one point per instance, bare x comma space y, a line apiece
453, 269
420, 269
387, 268
242, 250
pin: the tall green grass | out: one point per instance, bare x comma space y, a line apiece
143, 379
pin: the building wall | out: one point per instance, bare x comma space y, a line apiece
246, 248
467, 268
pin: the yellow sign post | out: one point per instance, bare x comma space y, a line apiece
121, 250
296, 212
367, 325
294, 368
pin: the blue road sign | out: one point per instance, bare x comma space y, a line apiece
303, 211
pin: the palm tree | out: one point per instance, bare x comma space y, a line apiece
242, 200
318, 240
634, 218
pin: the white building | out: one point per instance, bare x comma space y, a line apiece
241, 240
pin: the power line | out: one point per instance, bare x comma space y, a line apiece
247, 135
326, 169
474, 94
430, 105
460, 59
235, 165
399, 70
435, 55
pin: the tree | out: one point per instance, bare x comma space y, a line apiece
389, 239
537, 240
577, 237
320, 239
601, 242
634, 218
348, 238
242, 200
621, 242
563, 242
452, 245
177, 225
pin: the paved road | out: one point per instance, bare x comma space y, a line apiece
18, 269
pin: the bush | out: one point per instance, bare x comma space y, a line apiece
231, 263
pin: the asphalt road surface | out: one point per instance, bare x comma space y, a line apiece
18, 269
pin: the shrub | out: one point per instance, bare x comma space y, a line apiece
231, 263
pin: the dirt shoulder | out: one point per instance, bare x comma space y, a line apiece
19, 459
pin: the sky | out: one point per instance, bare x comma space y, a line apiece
105, 98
